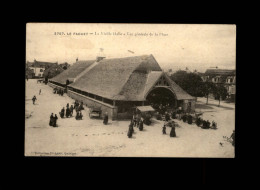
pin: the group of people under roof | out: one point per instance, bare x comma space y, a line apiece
187, 117
58, 91
69, 110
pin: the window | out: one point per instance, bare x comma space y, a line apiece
41, 70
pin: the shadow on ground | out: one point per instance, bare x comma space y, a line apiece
210, 106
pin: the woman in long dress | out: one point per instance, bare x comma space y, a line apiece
173, 133
105, 121
51, 120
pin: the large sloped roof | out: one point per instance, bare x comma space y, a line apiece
125, 79
72, 72
109, 76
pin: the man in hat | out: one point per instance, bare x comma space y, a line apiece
34, 99
51, 120
105, 121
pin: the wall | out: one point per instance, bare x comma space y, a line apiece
55, 86
111, 110
37, 71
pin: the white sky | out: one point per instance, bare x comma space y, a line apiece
193, 46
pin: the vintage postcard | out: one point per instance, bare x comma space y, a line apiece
130, 90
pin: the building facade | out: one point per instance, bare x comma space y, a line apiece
222, 76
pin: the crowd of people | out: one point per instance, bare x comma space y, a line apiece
187, 117
136, 121
58, 91
205, 124
68, 112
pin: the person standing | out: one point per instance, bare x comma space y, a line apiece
105, 121
141, 125
173, 133
55, 121
34, 99
134, 120
62, 112
40, 92
208, 124
51, 120
164, 129
80, 115
71, 110
67, 111
130, 130
77, 116
189, 118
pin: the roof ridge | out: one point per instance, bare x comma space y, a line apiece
128, 78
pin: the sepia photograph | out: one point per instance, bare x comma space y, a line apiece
130, 90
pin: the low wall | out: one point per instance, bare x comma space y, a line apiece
55, 86
111, 110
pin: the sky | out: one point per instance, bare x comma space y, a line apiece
177, 46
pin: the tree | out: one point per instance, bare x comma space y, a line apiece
190, 82
207, 88
220, 92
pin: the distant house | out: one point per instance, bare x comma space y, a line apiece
52, 71
38, 67
222, 76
